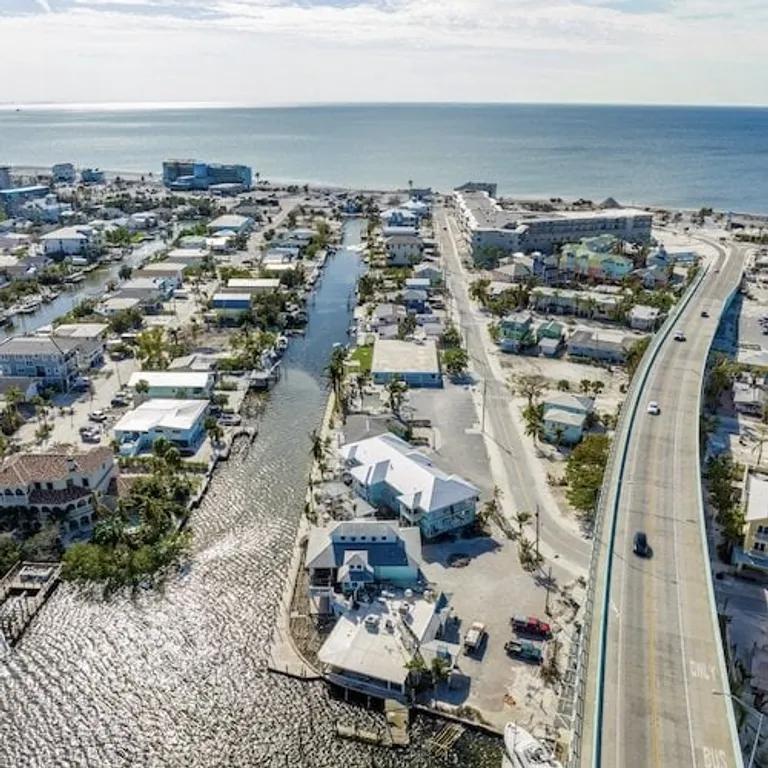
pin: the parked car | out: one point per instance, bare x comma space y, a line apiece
90, 435
474, 637
97, 416
120, 401
81, 383
704, 313
524, 649
530, 625
229, 419
640, 544
653, 408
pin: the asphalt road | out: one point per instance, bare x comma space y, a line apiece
662, 659
571, 550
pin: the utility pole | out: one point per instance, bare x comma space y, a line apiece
549, 585
537, 537
485, 393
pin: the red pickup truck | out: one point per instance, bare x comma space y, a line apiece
530, 625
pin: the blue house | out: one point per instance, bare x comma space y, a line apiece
565, 417
356, 553
415, 299
387, 472
417, 364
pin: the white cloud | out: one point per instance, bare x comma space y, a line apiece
258, 51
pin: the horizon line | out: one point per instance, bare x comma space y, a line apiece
75, 106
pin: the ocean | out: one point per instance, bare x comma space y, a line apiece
676, 156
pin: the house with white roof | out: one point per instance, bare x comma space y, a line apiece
230, 223
253, 285
565, 416
418, 365
177, 385
180, 421
71, 241
372, 644
352, 554
753, 555
388, 472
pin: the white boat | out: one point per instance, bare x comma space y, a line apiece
521, 750
282, 343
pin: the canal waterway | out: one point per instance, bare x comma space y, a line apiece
177, 678
93, 286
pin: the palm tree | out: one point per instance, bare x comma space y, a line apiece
534, 421
152, 350
563, 385
522, 517
479, 290
336, 371
213, 429
317, 449
559, 432
597, 387
396, 390
585, 385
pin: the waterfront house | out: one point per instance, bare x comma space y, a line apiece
177, 385
116, 304
57, 486
414, 300
47, 210
400, 217
253, 285
655, 277
372, 645
516, 332
390, 230
354, 554
230, 223
149, 290
87, 339
388, 472
172, 271
565, 416
602, 345
42, 358
63, 173
78, 240
644, 318
429, 272
180, 421
403, 250
418, 284
417, 364
189, 257
142, 221
231, 306
92, 176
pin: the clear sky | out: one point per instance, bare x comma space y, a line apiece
301, 51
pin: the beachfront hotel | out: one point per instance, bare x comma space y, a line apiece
485, 223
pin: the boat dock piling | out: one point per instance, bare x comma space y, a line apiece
23, 591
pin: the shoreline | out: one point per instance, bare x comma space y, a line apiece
155, 177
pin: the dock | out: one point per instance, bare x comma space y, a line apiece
23, 591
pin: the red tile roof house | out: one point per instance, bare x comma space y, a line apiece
56, 487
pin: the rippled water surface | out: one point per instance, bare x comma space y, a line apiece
178, 678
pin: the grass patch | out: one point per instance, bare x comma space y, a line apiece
364, 357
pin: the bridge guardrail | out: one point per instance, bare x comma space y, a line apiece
614, 471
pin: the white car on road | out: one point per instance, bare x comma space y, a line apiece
653, 408
679, 336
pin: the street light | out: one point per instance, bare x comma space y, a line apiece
759, 722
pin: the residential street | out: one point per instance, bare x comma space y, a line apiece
516, 470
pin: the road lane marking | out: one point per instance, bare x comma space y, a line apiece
714, 758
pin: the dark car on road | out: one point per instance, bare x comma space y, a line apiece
640, 544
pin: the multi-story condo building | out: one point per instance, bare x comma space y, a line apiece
191, 174
484, 223
51, 362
